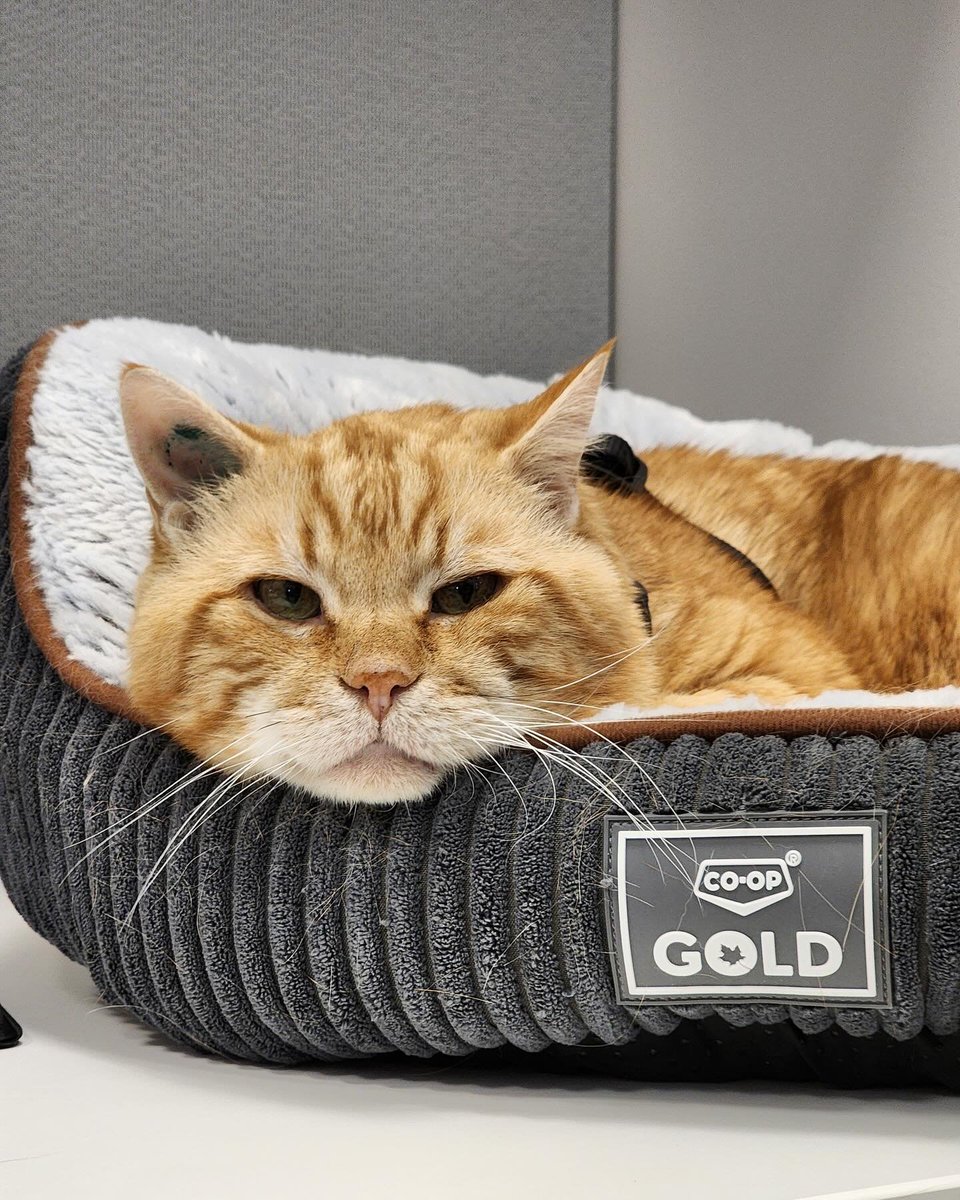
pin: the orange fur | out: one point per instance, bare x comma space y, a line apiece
375, 513
863, 548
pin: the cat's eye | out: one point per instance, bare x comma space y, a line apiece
287, 599
456, 598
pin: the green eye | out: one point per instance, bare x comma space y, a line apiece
287, 599
456, 598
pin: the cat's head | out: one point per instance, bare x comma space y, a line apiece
360, 610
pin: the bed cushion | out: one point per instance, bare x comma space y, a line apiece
80, 520
286, 930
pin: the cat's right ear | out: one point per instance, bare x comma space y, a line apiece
182, 447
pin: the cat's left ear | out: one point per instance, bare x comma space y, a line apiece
548, 453
181, 445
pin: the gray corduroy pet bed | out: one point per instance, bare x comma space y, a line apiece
289, 930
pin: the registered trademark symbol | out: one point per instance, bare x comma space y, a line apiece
794, 858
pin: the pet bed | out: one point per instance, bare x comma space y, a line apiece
545, 919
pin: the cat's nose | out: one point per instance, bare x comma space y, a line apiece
379, 688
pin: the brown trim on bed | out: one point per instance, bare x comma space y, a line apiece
789, 722
876, 722
29, 595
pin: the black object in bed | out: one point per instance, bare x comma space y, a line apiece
288, 930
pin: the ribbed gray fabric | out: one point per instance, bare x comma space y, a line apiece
288, 929
431, 180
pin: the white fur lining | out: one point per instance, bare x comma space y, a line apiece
87, 517
933, 698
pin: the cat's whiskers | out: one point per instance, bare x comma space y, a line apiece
560, 755
506, 774
583, 769
553, 783
623, 656
152, 729
215, 801
197, 817
595, 733
196, 773
129, 741
603, 784
607, 786
204, 812
200, 771
473, 771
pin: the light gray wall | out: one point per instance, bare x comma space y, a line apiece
429, 179
788, 212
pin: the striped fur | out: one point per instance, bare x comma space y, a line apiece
376, 512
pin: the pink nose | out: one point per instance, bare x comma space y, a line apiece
379, 689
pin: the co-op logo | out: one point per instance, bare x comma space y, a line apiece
746, 885
784, 905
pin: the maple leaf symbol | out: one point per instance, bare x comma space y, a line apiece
731, 955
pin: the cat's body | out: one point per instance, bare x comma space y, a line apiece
717, 630
360, 610
868, 549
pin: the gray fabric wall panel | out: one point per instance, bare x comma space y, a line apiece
431, 180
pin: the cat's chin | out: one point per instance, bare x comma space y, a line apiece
379, 774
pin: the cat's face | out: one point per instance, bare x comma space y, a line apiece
363, 609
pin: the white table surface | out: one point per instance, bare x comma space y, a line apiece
94, 1104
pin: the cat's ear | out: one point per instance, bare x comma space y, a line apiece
181, 445
547, 453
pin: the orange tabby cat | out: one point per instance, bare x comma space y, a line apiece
360, 610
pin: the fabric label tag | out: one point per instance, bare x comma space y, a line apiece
741, 909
